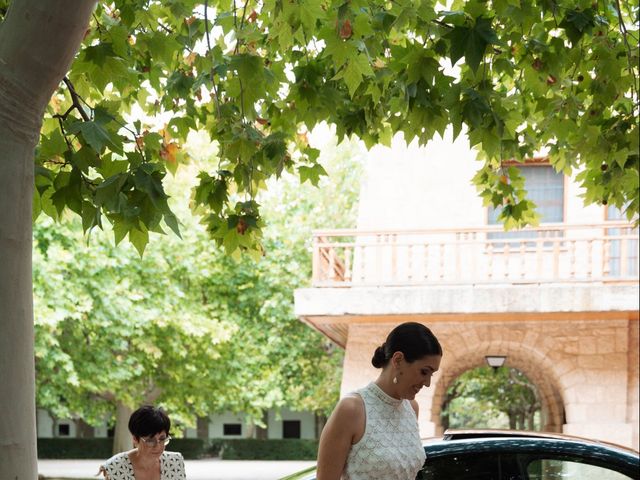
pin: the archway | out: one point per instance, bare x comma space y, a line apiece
533, 364
486, 397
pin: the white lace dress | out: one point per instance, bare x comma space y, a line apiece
390, 448
119, 467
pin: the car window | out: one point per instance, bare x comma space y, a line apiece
561, 469
461, 467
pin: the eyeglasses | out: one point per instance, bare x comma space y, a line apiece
153, 442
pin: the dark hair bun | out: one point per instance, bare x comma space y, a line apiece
379, 357
413, 339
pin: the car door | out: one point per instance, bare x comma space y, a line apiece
574, 467
462, 466
523, 466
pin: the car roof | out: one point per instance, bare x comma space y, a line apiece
517, 441
530, 443
461, 434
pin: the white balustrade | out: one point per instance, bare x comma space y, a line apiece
605, 252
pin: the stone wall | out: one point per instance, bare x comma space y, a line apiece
585, 369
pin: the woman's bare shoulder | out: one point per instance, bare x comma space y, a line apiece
350, 404
349, 413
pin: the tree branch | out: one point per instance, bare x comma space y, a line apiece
75, 100
212, 73
623, 30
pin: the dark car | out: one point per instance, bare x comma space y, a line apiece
516, 455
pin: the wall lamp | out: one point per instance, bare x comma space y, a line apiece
495, 361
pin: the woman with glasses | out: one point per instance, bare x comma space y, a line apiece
148, 460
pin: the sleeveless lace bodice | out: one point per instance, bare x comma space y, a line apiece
390, 448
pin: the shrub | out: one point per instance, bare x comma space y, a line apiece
76, 448
101, 448
190, 448
276, 449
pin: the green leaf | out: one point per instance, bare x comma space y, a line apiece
339, 50
454, 17
151, 184
249, 68
577, 22
139, 239
96, 136
311, 11
312, 173
108, 192
120, 230
52, 145
59, 200
172, 222
471, 42
90, 216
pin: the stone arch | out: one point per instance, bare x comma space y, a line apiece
533, 363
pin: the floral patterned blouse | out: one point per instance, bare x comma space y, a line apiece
119, 467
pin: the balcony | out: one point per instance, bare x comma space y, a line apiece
554, 253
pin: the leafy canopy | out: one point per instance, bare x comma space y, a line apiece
520, 77
186, 326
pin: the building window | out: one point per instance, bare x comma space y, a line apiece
232, 429
64, 430
111, 432
291, 429
545, 187
620, 247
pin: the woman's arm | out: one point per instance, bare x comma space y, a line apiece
344, 428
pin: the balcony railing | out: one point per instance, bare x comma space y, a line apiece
605, 252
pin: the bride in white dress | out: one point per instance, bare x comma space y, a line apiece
373, 432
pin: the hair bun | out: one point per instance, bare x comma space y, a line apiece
379, 357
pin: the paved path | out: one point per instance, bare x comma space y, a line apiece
210, 469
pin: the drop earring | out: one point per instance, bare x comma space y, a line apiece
395, 380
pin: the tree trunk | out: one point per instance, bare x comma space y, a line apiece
512, 419
203, 428
321, 421
122, 437
262, 433
530, 421
37, 43
83, 429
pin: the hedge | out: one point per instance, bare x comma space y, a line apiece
191, 448
276, 449
79, 448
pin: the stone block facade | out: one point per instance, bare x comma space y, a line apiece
585, 391
584, 363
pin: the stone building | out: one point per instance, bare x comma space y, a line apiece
560, 301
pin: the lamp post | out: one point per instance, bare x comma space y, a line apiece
495, 361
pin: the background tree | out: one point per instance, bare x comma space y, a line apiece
186, 326
560, 76
484, 398
114, 330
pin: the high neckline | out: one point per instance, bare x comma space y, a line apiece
382, 395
